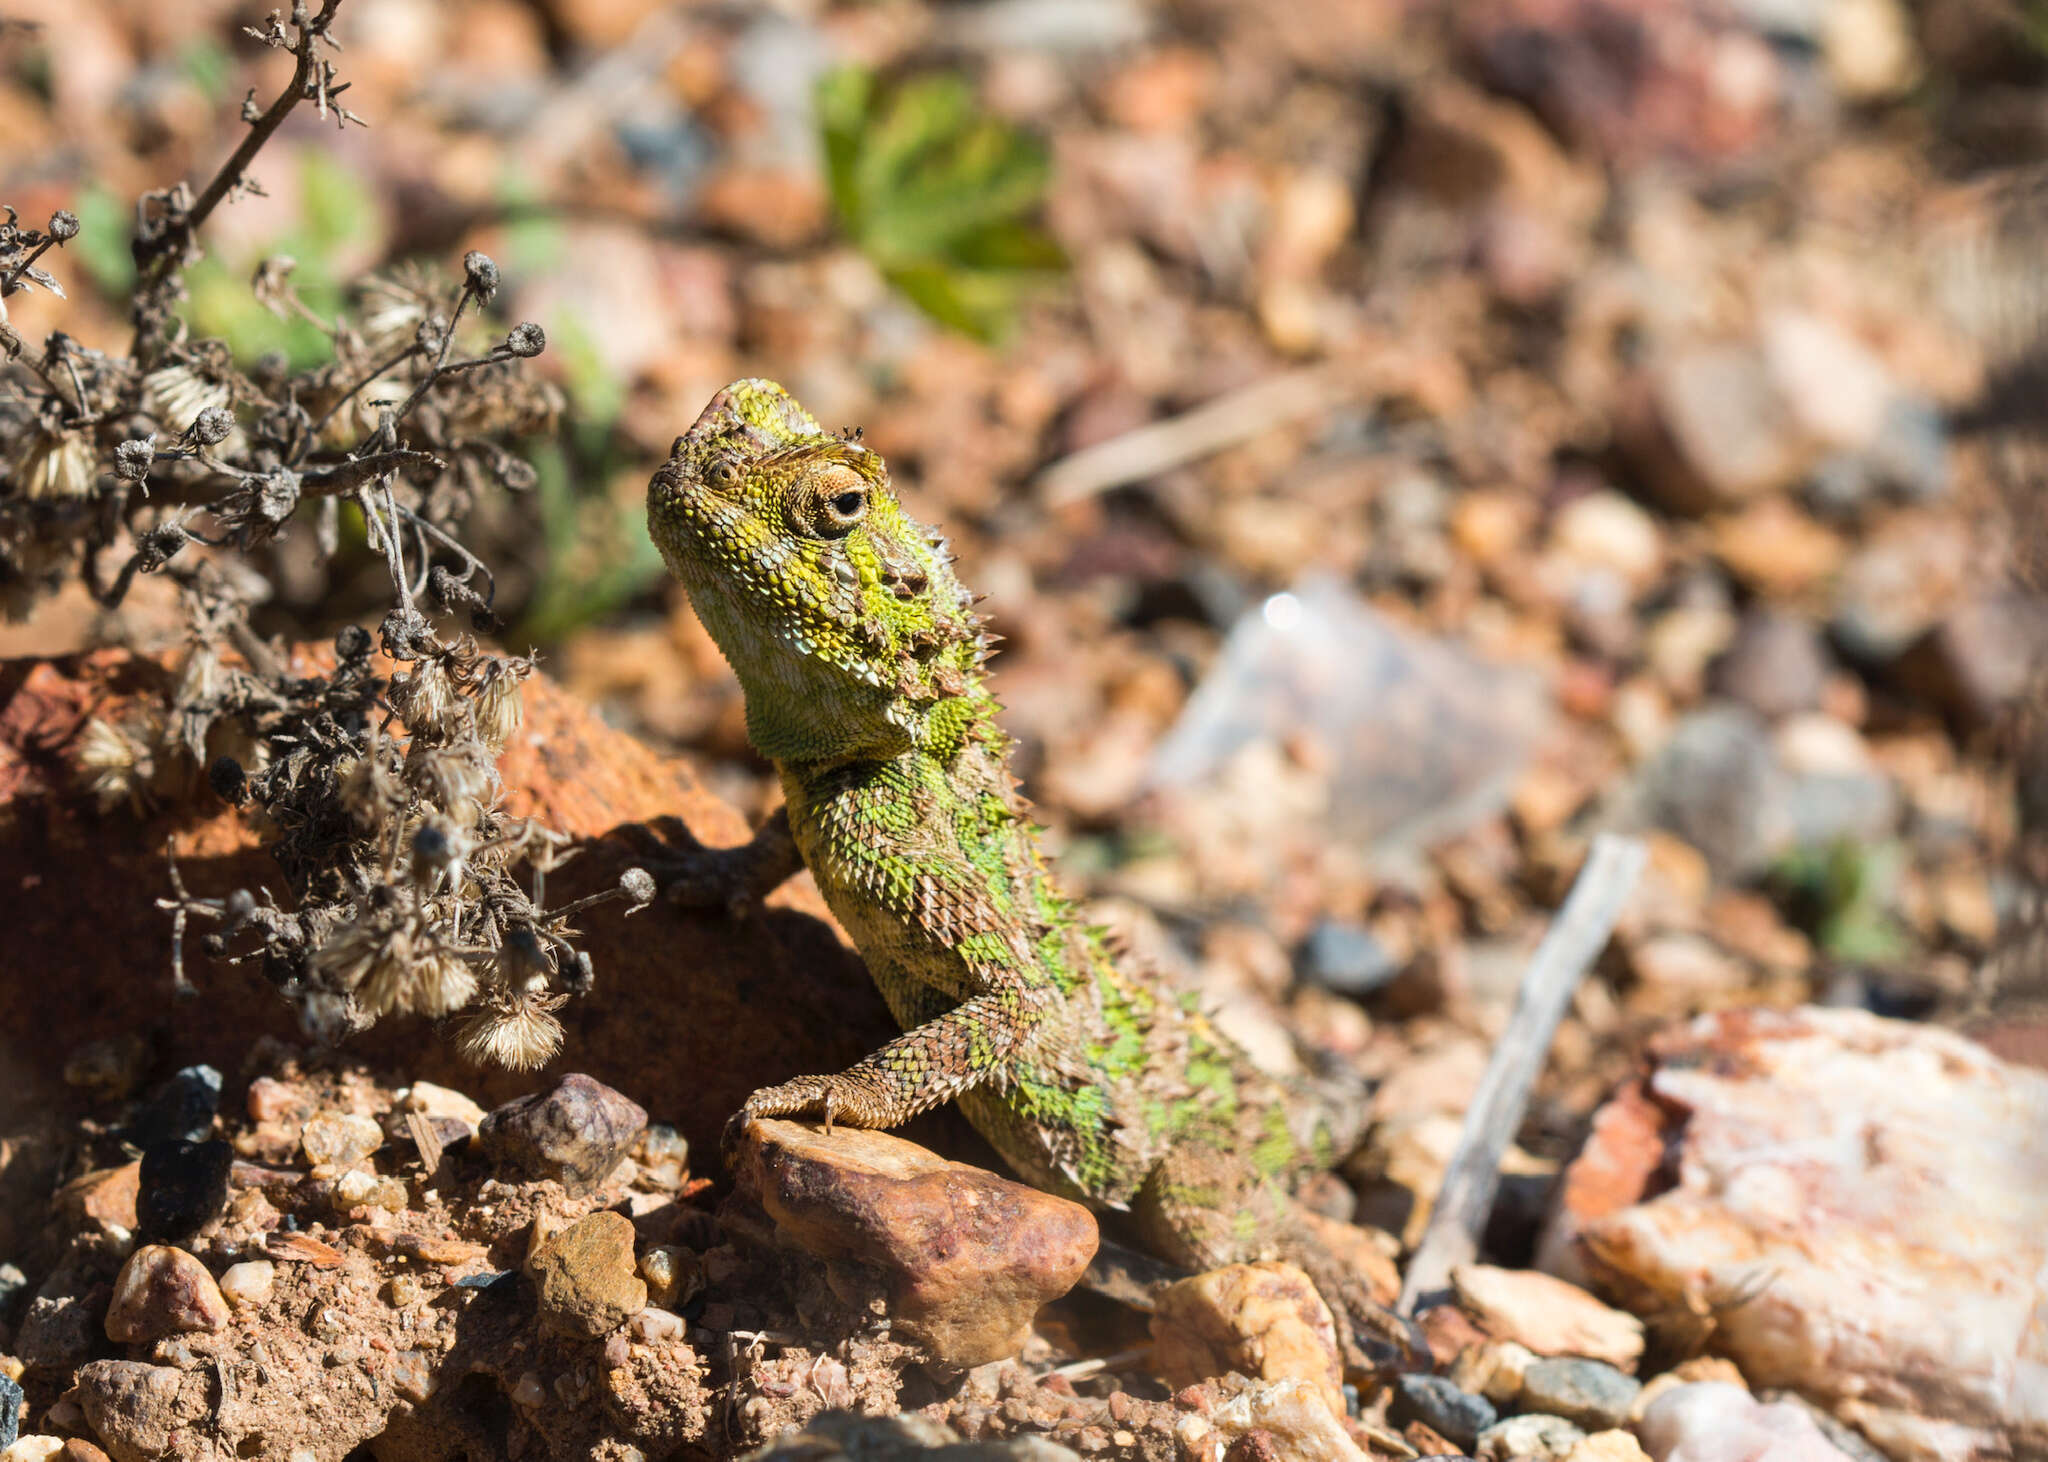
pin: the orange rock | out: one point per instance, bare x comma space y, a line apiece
965, 1258
1265, 1321
106, 1196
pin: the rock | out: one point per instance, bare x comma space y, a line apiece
1775, 549
1776, 666
183, 1187
139, 1410
1680, 973
1868, 50
584, 1276
1834, 386
1589, 1392
1718, 786
1605, 530
247, 1285
163, 1291
104, 1197
1263, 1320
1608, 1446
1909, 572
1715, 1422
575, 1133
674, 1275
11, 1396
1296, 1420
1980, 659
963, 1258
653, 1326
1891, 1180
31, 1449
1530, 1438
430, 1100
77, 1449
336, 1139
1456, 1416
180, 1110
846, 1436
1493, 1369
1546, 1314
1715, 432
1346, 957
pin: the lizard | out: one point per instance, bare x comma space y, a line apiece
863, 664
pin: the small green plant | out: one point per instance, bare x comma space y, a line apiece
938, 195
1841, 893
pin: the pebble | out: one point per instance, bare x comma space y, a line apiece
574, 1133
30, 1448
963, 1258
1717, 785
1294, 1416
1263, 1320
135, 1408
584, 1276
339, 1138
1608, 1446
105, 1197
247, 1285
1776, 666
1608, 531
1715, 1422
10, 1409
674, 1275
430, 1100
1346, 957
182, 1108
13, 1289
1546, 1314
182, 1187
1589, 1392
1455, 1415
654, 1325
163, 1291
1534, 1437
1493, 1369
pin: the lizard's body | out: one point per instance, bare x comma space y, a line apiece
862, 664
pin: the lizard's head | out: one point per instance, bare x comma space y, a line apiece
839, 612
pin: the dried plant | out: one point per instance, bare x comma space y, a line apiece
377, 789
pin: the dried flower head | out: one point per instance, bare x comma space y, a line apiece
518, 1032
177, 394
499, 708
117, 764
56, 464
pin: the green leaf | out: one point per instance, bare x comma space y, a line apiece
937, 195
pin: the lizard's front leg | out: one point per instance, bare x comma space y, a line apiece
736, 879
920, 1069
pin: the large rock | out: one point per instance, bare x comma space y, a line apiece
141, 1412
1863, 1202
163, 1291
677, 1016
585, 1278
963, 1258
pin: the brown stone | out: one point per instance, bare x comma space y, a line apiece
103, 1197
575, 1133
963, 1258
585, 1278
1546, 1314
141, 1412
1265, 1321
163, 1291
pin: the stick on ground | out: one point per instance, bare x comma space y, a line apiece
1575, 940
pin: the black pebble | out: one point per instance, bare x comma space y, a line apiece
184, 1186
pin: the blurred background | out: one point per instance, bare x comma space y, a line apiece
1397, 440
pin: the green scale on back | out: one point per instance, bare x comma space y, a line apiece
863, 666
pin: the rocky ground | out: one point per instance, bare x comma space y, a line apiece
1457, 431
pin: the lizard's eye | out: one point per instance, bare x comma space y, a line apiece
722, 473
829, 514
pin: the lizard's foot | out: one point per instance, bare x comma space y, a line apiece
842, 1098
